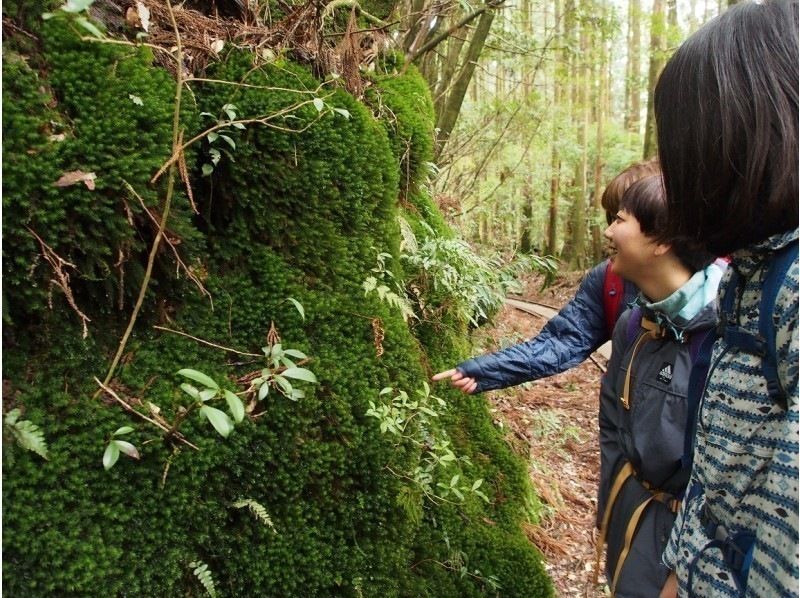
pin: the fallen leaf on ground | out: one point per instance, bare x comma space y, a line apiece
77, 176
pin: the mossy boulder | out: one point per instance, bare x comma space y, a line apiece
295, 213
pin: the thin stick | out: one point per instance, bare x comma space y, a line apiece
130, 409
264, 120
209, 343
167, 201
181, 263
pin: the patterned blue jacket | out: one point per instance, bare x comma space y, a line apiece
566, 340
746, 453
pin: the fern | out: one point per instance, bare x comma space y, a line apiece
258, 511
26, 433
200, 570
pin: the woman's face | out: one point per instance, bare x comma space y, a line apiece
632, 251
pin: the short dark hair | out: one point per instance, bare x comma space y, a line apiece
646, 200
726, 113
612, 196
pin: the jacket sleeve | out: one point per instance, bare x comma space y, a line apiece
776, 545
565, 341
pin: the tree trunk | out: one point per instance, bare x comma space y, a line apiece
455, 98
454, 45
578, 245
633, 81
658, 48
555, 158
597, 238
526, 243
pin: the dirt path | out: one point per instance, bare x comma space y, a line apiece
553, 424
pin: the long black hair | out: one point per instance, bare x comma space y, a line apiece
726, 110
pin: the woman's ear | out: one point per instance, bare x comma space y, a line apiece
662, 249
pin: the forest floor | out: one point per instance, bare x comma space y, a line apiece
552, 423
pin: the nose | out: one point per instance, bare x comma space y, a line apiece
607, 233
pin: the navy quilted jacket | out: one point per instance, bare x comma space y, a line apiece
565, 341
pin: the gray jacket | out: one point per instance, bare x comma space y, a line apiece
650, 436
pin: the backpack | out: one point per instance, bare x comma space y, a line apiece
613, 297
737, 549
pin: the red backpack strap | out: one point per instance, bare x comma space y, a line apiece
613, 295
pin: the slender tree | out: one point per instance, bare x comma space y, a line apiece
633, 79
658, 49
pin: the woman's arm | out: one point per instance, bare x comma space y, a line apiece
565, 341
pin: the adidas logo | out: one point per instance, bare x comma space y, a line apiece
665, 374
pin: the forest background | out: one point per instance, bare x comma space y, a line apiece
192, 190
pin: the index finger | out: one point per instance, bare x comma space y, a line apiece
444, 375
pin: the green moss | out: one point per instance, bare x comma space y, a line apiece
103, 110
404, 105
298, 214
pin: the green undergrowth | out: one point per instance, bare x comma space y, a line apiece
300, 210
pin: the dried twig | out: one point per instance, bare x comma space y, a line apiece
167, 203
130, 409
209, 343
181, 263
62, 278
261, 120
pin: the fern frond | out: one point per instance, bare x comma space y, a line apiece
258, 511
200, 570
26, 433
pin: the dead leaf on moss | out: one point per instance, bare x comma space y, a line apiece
77, 176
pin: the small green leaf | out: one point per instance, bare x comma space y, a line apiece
12, 417
300, 374
136, 99
198, 377
219, 419
297, 306
89, 26
190, 390
285, 385
212, 136
319, 104
110, 456
477, 484
385, 391
238, 125
127, 448
297, 394
74, 6
208, 114
295, 353
235, 405
207, 394
29, 436
263, 391
46, 16
207, 169
229, 141
123, 430
343, 112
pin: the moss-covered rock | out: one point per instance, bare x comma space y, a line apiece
296, 212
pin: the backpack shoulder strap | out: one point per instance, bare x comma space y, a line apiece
613, 296
700, 349
634, 324
763, 343
773, 281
